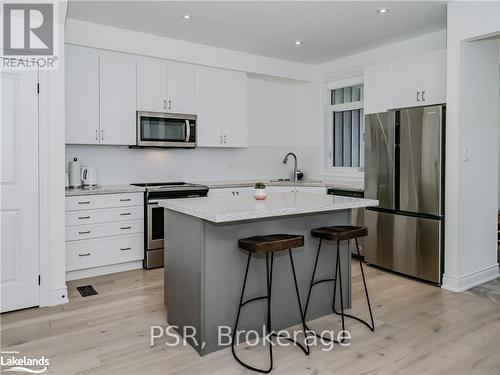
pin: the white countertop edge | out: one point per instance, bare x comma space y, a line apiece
252, 215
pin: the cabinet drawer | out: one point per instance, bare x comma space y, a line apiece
104, 215
86, 202
83, 232
103, 251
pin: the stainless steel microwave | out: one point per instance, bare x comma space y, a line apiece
158, 129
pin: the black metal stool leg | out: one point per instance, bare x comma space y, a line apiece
338, 276
372, 326
268, 325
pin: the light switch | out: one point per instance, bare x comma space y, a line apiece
466, 155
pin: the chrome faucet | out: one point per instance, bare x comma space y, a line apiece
295, 169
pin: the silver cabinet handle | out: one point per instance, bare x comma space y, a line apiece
125, 200
124, 228
418, 96
84, 232
423, 97
125, 214
102, 134
169, 104
125, 248
96, 134
83, 217
220, 139
225, 139
85, 202
165, 104
83, 254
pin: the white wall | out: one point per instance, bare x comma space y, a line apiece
277, 112
105, 37
472, 124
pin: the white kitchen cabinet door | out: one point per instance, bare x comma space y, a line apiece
19, 255
117, 99
180, 88
405, 82
375, 89
208, 107
434, 78
82, 95
151, 85
234, 97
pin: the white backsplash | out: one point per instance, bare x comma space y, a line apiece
122, 165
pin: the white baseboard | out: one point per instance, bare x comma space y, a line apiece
464, 283
104, 270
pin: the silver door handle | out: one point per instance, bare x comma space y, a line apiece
418, 96
125, 248
188, 131
125, 214
83, 217
84, 232
84, 255
123, 228
125, 200
85, 202
423, 97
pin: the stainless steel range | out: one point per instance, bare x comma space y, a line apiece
154, 241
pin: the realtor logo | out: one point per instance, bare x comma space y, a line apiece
28, 29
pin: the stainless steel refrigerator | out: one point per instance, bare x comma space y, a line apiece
404, 170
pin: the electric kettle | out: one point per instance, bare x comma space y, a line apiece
89, 176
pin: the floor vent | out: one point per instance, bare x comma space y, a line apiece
87, 290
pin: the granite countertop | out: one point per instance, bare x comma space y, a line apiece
104, 189
306, 183
220, 209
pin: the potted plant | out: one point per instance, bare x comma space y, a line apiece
260, 191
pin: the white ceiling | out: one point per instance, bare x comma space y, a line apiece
329, 30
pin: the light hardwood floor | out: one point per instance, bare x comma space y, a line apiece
420, 329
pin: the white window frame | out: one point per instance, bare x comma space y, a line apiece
354, 174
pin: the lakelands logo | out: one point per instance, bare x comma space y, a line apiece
12, 362
29, 35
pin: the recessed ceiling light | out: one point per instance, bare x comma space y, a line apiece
186, 17
298, 42
382, 10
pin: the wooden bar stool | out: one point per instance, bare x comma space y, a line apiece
339, 233
269, 245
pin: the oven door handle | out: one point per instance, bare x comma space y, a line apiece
188, 131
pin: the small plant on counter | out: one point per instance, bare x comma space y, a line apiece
260, 191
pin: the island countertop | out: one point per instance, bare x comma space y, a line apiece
219, 208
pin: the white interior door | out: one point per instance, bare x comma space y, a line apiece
19, 191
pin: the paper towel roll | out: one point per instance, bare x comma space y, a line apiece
74, 173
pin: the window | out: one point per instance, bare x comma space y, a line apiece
346, 122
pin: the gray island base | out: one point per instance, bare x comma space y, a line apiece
204, 268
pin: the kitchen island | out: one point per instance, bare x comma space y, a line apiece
204, 267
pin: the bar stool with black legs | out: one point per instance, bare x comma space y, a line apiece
339, 233
269, 245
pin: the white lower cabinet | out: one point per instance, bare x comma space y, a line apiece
235, 192
104, 234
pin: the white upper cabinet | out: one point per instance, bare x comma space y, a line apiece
82, 95
234, 98
434, 78
180, 88
221, 107
405, 82
418, 81
117, 99
375, 89
151, 85
208, 106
